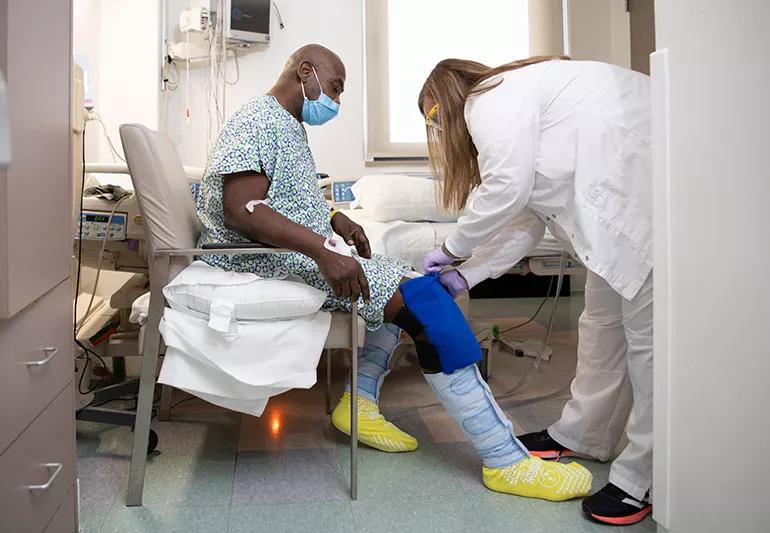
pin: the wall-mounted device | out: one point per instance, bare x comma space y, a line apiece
246, 21
194, 19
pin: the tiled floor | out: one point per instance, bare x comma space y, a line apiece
218, 471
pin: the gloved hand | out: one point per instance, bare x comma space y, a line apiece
453, 282
436, 260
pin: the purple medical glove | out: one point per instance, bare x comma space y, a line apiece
436, 260
453, 282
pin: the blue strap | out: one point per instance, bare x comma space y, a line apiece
445, 326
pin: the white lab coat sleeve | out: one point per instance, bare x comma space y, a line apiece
505, 127
504, 250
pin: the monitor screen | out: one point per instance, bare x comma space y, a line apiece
250, 16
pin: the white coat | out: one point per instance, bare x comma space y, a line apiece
562, 144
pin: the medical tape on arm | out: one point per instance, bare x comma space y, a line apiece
254, 203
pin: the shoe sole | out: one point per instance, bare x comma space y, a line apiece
620, 520
552, 455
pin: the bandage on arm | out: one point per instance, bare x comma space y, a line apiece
262, 224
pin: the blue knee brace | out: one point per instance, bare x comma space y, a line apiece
443, 323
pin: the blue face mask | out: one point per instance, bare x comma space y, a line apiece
317, 112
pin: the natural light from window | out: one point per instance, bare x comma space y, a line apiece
421, 33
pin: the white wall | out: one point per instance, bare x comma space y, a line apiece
86, 24
712, 289
337, 24
122, 42
127, 70
599, 30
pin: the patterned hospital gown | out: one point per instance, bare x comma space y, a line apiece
263, 137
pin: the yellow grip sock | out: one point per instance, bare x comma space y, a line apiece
535, 478
373, 429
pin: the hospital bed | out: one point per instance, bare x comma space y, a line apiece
410, 241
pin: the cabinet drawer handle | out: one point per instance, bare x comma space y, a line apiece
50, 354
47, 485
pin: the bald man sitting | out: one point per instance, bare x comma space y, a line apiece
262, 155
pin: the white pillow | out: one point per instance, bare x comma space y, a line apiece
226, 297
388, 197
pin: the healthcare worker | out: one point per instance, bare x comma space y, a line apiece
261, 185
548, 142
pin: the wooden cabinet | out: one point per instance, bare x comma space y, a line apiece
65, 521
38, 469
35, 191
36, 362
37, 389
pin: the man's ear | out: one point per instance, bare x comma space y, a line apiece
304, 70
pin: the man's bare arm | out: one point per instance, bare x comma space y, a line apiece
270, 227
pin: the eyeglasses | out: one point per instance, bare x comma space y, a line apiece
431, 118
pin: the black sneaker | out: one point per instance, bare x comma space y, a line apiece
540, 444
612, 505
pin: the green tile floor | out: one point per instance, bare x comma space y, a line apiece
218, 471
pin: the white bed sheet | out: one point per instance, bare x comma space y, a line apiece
410, 241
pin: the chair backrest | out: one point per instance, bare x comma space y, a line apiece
162, 190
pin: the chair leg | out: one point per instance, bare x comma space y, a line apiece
354, 403
146, 389
166, 396
328, 387
142, 425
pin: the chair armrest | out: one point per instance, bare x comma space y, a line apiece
236, 245
224, 248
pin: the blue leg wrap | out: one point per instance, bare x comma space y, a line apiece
374, 360
443, 322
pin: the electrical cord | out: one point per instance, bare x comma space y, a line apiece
237, 69
169, 83
132, 398
93, 115
88, 352
280, 18
183, 400
539, 359
101, 258
534, 315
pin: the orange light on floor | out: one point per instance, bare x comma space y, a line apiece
275, 424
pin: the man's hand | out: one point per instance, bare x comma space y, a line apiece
344, 274
352, 233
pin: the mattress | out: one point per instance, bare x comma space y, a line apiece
410, 241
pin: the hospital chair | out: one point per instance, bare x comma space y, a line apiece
173, 227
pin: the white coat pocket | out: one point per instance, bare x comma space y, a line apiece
622, 191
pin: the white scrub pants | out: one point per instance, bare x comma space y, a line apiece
613, 379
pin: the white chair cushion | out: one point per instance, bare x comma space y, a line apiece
389, 197
225, 297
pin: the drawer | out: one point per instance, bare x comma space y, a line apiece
43, 458
65, 520
41, 334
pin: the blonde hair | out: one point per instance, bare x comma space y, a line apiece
451, 150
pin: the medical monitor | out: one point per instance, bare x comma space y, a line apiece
248, 21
